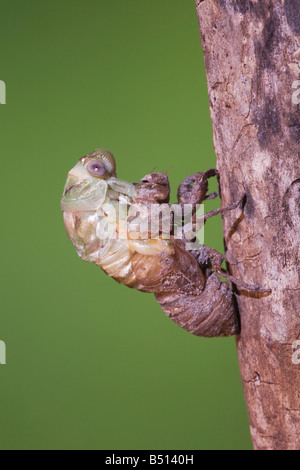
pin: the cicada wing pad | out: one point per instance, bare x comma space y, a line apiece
83, 197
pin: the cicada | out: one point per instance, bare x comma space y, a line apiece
186, 283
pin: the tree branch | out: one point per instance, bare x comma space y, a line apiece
252, 58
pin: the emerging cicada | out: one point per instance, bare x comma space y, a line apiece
186, 283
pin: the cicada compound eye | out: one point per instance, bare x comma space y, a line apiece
96, 168
100, 163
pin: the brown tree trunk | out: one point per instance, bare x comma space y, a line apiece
252, 58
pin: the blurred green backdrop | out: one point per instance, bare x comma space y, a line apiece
91, 364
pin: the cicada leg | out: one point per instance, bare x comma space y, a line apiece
193, 190
210, 259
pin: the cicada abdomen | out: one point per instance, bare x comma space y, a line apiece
210, 314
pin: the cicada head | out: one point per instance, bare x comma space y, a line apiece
85, 192
86, 186
100, 164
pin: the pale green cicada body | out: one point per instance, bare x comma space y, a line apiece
90, 205
96, 207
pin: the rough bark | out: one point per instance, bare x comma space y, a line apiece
252, 58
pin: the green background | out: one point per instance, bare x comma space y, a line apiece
91, 364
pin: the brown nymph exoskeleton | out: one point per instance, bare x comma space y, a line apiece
186, 283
